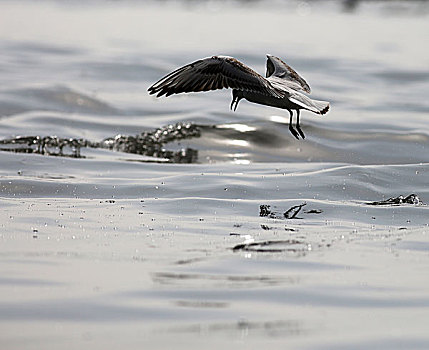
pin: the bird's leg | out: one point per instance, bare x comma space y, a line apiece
234, 99
291, 129
298, 127
236, 103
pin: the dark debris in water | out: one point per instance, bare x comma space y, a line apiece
314, 211
299, 245
274, 328
265, 210
289, 245
293, 211
400, 200
48, 145
150, 143
172, 277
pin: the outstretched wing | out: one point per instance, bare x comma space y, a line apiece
213, 73
276, 68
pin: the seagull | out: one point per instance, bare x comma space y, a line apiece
280, 88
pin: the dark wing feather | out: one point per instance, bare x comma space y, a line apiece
213, 73
277, 68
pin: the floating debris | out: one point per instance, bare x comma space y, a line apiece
313, 211
411, 199
293, 212
266, 211
150, 143
48, 145
273, 328
290, 245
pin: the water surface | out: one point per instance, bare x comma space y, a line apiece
106, 248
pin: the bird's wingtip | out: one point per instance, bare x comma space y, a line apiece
159, 92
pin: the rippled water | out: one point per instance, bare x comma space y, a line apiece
263, 240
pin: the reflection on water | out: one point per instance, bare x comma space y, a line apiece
260, 240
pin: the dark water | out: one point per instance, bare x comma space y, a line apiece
261, 240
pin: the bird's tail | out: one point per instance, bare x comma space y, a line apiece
319, 107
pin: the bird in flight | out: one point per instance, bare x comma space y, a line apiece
280, 88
